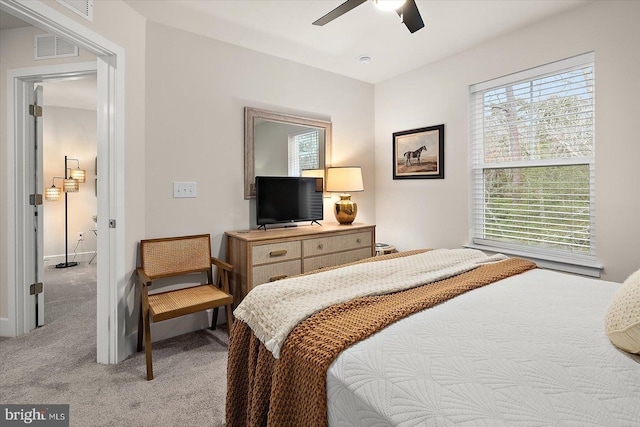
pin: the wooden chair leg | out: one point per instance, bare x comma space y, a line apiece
144, 309
140, 325
223, 277
214, 319
147, 344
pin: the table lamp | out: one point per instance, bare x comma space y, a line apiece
345, 180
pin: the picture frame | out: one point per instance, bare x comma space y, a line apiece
419, 153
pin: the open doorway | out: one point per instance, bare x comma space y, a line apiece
70, 227
20, 252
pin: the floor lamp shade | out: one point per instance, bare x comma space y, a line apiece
77, 173
345, 180
71, 185
52, 193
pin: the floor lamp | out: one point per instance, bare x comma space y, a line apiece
71, 184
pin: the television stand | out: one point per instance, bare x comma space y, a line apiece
316, 223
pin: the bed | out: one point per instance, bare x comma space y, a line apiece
493, 342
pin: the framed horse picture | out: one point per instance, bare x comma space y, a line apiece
419, 153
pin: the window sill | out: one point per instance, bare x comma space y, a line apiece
584, 267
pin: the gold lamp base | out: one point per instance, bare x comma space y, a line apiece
345, 209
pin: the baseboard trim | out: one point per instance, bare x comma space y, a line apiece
6, 328
79, 257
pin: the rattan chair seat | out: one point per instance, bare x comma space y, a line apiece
166, 305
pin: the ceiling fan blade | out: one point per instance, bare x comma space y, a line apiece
339, 11
411, 16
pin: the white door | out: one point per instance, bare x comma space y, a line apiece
34, 291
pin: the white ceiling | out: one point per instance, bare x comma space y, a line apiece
283, 28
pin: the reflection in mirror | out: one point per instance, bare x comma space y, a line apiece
283, 145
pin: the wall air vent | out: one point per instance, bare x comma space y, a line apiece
48, 46
83, 8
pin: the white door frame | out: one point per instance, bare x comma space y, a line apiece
110, 111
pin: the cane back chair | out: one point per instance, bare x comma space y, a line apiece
172, 257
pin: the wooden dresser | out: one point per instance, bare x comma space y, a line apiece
260, 256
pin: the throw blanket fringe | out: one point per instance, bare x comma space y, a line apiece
272, 310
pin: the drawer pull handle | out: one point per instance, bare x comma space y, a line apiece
281, 252
320, 246
274, 278
358, 240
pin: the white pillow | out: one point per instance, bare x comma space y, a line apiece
622, 323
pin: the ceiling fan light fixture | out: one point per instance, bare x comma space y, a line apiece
389, 4
406, 9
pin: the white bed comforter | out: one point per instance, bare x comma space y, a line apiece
529, 350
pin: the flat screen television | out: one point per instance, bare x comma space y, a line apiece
285, 199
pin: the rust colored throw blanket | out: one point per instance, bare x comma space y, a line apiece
291, 391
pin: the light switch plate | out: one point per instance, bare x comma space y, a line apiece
185, 189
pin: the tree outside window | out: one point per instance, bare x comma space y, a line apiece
533, 162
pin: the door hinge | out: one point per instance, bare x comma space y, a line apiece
35, 199
35, 288
35, 110
112, 223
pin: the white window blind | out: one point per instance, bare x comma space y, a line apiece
303, 152
532, 148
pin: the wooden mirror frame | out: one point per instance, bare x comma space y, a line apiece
250, 116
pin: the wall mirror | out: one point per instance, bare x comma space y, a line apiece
278, 144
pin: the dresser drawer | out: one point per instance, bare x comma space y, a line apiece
259, 256
275, 252
268, 272
341, 242
339, 258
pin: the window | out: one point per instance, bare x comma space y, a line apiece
532, 148
303, 152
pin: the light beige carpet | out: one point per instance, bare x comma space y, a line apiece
56, 364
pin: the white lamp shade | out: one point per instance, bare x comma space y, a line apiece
79, 175
344, 179
52, 193
71, 186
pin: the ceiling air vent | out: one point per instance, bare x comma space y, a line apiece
48, 46
81, 7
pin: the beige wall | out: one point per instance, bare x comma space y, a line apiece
196, 92
434, 213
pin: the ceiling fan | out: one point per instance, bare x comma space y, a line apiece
407, 10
